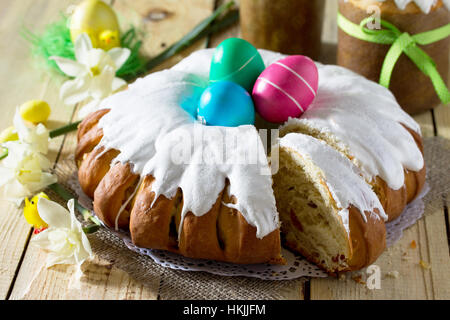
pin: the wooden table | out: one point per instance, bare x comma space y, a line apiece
21, 272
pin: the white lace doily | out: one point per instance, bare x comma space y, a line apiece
296, 265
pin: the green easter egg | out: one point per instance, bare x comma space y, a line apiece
238, 61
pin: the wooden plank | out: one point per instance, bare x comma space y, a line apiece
101, 279
442, 118
231, 32
21, 81
436, 225
442, 122
164, 22
329, 34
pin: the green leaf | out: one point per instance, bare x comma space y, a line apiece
3, 153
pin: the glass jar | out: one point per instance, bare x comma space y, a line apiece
286, 26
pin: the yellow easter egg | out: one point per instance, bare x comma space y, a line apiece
9, 134
94, 17
35, 111
31, 213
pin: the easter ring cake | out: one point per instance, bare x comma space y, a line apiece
348, 164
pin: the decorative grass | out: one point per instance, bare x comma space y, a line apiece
56, 41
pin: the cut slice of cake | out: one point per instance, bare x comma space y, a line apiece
362, 120
328, 212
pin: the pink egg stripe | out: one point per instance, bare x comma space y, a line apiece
299, 76
287, 94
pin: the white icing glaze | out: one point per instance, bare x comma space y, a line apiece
148, 126
146, 123
342, 177
424, 5
446, 3
366, 118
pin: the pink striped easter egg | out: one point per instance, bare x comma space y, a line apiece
286, 88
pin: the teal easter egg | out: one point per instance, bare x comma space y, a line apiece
238, 61
226, 104
190, 102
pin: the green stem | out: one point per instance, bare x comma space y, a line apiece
203, 29
229, 19
3, 153
65, 129
88, 216
91, 228
66, 195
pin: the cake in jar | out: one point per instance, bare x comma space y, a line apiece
413, 89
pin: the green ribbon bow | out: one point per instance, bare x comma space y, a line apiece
401, 42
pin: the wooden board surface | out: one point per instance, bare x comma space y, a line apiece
22, 274
21, 82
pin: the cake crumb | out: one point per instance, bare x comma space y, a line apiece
358, 279
342, 277
393, 274
425, 265
405, 256
413, 244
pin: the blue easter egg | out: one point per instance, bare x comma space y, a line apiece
226, 104
190, 102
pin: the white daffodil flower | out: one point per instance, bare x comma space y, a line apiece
36, 137
25, 171
64, 239
93, 71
